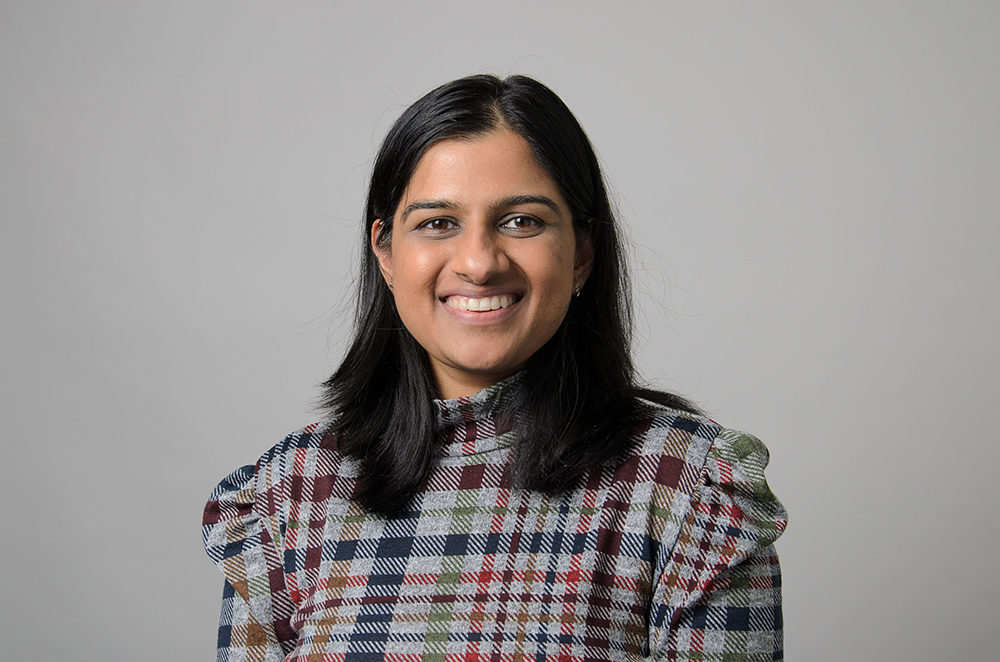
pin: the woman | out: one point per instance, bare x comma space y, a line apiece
492, 483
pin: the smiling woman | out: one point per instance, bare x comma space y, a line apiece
484, 258
492, 482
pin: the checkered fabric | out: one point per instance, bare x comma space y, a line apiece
666, 555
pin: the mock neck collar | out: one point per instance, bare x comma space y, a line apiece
475, 423
484, 404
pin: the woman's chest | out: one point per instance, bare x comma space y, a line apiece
475, 566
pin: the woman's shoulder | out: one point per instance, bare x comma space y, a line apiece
305, 465
665, 413
312, 438
725, 457
662, 429
719, 468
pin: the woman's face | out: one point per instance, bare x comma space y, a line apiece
483, 259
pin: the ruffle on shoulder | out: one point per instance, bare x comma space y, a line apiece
231, 526
240, 542
723, 568
735, 467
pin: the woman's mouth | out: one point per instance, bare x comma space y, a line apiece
481, 304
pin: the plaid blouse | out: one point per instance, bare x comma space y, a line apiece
665, 555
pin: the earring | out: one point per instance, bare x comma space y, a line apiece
576, 288
390, 285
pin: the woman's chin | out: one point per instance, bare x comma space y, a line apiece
465, 378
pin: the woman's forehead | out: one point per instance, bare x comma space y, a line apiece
480, 171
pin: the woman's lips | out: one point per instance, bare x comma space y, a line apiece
481, 304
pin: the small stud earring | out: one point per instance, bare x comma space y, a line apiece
576, 289
390, 285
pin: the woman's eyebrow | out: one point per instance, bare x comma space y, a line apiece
515, 200
428, 204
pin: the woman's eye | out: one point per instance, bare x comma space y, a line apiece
520, 223
439, 224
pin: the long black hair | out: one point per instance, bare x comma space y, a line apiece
579, 391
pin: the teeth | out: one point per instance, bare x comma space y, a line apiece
480, 305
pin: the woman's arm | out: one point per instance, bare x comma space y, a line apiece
254, 622
719, 598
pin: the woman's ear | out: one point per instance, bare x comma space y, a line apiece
584, 256
381, 250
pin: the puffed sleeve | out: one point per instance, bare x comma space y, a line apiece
719, 596
243, 540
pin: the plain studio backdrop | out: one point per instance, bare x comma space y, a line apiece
812, 194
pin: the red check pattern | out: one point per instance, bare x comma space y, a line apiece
666, 555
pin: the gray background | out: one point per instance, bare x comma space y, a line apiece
812, 192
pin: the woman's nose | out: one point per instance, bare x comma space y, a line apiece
479, 256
